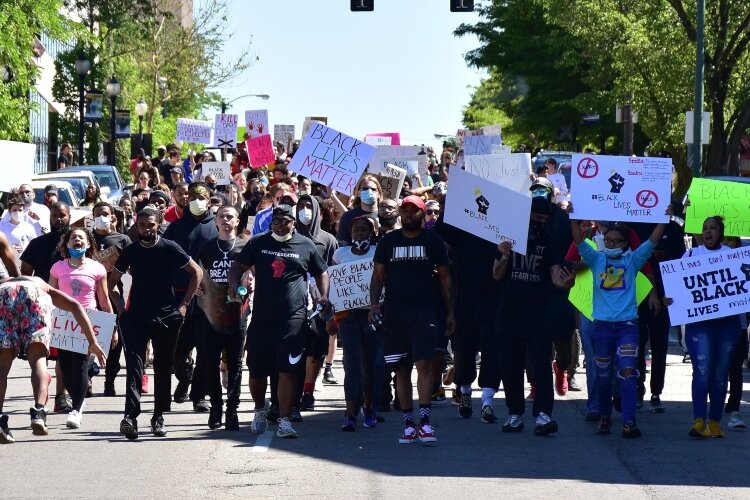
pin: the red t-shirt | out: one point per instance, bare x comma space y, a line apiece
171, 215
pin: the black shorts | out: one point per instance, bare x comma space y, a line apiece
317, 344
276, 346
410, 335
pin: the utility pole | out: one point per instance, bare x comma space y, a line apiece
697, 147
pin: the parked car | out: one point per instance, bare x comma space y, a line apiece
80, 180
110, 181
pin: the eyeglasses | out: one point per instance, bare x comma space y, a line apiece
610, 241
430, 212
280, 221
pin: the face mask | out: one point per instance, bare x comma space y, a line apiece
15, 217
27, 198
429, 224
613, 252
264, 181
77, 253
368, 197
101, 222
148, 238
411, 226
305, 216
361, 245
387, 221
198, 207
282, 239
303, 192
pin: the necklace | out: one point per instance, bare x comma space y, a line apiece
156, 240
226, 254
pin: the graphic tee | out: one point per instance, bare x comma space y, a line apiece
109, 247
216, 256
79, 282
527, 280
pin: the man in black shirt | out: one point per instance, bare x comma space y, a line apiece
281, 260
155, 313
405, 263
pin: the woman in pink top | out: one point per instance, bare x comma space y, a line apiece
85, 280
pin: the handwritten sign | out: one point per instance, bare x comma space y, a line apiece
708, 286
382, 153
261, 151
481, 144
193, 131
729, 199
350, 284
67, 334
462, 134
283, 134
378, 141
500, 149
331, 158
219, 169
392, 180
621, 188
488, 210
225, 131
510, 170
256, 122
395, 138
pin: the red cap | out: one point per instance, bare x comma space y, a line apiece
413, 200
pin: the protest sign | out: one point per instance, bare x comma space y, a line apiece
21, 168
331, 158
710, 197
219, 169
256, 122
391, 180
488, 210
462, 134
67, 334
283, 134
707, 286
481, 144
412, 164
193, 131
621, 188
350, 284
395, 138
378, 141
309, 121
260, 151
377, 162
500, 149
511, 170
225, 131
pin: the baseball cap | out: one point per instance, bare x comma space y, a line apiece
50, 189
285, 210
542, 182
413, 200
177, 170
291, 196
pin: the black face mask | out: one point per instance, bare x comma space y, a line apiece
387, 221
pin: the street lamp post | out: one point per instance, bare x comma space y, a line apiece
697, 147
163, 87
224, 105
113, 90
82, 66
140, 110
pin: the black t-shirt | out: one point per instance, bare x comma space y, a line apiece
154, 271
527, 280
411, 263
41, 253
281, 273
216, 256
64, 160
109, 247
191, 233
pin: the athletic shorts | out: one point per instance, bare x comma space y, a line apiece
25, 316
410, 335
276, 346
317, 344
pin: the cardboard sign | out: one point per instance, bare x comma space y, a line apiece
621, 188
225, 131
67, 334
331, 158
481, 144
22, 167
412, 164
256, 122
392, 180
707, 286
350, 284
283, 134
395, 138
378, 141
260, 151
488, 210
219, 169
729, 199
510, 170
193, 131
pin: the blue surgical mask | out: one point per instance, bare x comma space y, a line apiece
540, 191
368, 196
77, 253
613, 252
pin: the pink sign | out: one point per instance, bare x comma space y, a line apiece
260, 151
395, 137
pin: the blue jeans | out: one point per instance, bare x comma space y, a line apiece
711, 345
618, 340
587, 332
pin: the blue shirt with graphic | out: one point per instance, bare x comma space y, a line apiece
614, 281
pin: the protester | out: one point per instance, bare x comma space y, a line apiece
262, 221
36, 214
15, 226
365, 198
181, 200
93, 196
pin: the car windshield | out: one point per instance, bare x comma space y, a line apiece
106, 179
62, 195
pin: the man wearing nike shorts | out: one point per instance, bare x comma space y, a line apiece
280, 260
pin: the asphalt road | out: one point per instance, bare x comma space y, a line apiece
470, 459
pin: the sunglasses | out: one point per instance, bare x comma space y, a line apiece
430, 212
280, 221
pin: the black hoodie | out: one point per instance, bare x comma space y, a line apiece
324, 241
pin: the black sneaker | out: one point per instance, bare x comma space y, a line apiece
630, 430
62, 405
6, 437
307, 403
544, 425
295, 415
605, 426
328, 377
214, 418
656, 406
513, 424
201, 406
464, 409
90, 390
592, 416
38, 421
181, 391
157, 426
109, 389
231, 422
488, 416
273, 414
129, 428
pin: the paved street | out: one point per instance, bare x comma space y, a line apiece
470, 460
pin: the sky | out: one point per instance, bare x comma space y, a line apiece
397, 69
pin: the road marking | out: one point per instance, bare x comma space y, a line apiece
261, 444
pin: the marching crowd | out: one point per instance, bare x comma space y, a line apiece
237, 274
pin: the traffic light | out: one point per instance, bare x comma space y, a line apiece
363, 5
462, 5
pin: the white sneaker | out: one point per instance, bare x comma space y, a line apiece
285, 429
260, 422
735, 422
74, 420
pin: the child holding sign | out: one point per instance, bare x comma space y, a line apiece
616, 316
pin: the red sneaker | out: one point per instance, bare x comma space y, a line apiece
144, 384
426, 434
410, 435
532, 393
561, 380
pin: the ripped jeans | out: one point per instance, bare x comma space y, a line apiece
711, 346
618, 340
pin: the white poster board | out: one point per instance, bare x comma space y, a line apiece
350, 284
378, 140
331, 158
510, 170
707, 286
225, 131
19, 164
193, 131
500, 149
463, 133
488, 210
481, 144
221, 171
412, 164
283, 134
307, 124
385, 152
620, 188
256, 122
67, 334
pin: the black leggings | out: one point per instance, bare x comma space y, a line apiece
75, 370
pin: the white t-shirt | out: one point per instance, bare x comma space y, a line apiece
19, 234
702, 250
344, 254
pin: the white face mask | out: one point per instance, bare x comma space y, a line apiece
305, 216
16, 217
198, 207
101, 222
282, 239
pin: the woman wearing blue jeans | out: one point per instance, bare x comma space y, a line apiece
711, 345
